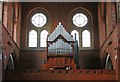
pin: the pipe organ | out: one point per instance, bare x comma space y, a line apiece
60, 48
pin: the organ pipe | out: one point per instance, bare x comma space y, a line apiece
60, 46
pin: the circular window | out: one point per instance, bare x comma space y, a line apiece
80, 20
39, 20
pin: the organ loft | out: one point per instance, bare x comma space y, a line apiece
60, 49
67, 40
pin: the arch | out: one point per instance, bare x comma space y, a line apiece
75, 33
32, 11
35, 9
86, 39
10, 63
43, 37
108, 63
83, 10
88, 13
88, 26
32, 38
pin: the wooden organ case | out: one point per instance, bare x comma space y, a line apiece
60, 49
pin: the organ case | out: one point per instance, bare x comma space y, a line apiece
60, 49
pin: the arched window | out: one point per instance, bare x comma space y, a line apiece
81, 19
33, 38
86, 38
75, 33
38, 23
43, 37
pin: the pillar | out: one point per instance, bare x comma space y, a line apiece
1, 65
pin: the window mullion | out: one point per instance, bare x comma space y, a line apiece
80, 36
38, 38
